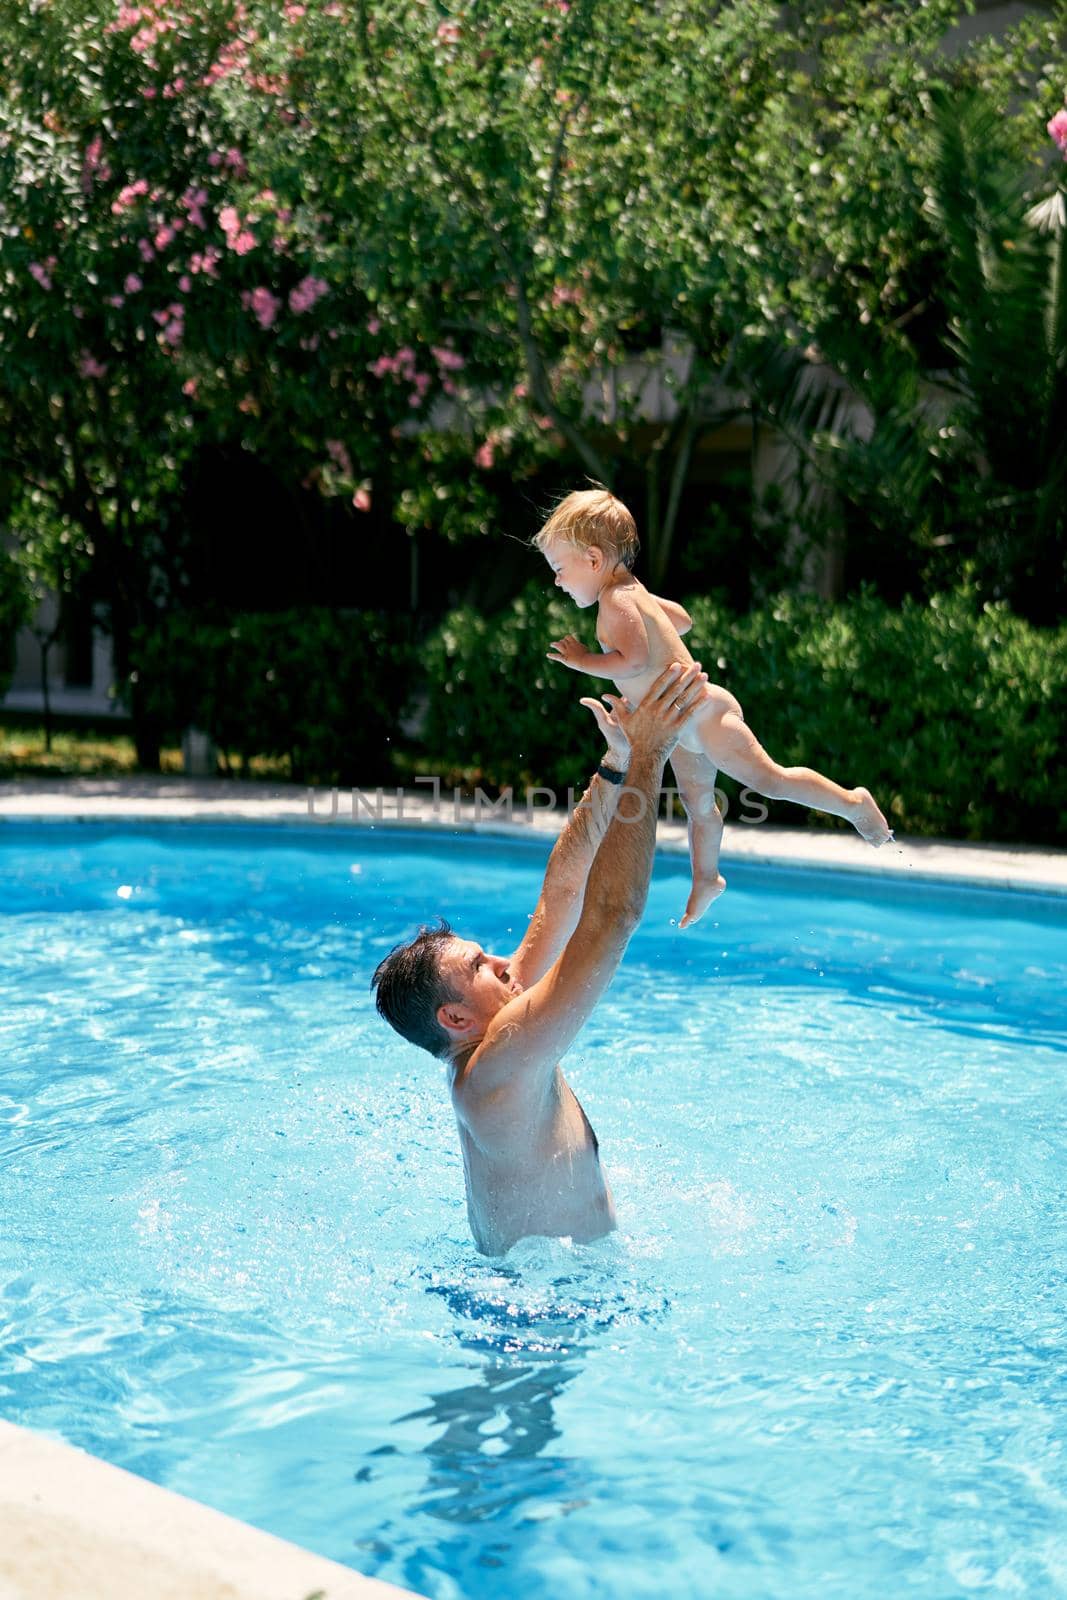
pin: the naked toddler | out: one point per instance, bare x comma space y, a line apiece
590, 543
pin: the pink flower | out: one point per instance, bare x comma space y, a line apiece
92, 162
132, 283
293, 13
519, 391
374, 327
338, 454
248, 404
244, 242
361, 500
173, 333
306, 292
263, 304
448, 32
185, 283
191, 388
215, 158
236, 162
484, 455
164, 236
41, 274
149, 93
89, 367
147, 253
1057, 129
116, 300
447, 360
229, 220
126, 196
206, 261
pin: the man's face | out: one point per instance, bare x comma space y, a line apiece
483, 983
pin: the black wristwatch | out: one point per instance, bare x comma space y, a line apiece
609, 774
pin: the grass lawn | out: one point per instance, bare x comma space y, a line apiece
98, 752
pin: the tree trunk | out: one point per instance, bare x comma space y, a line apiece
146, 730
46, 647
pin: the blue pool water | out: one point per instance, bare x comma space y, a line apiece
823, 1357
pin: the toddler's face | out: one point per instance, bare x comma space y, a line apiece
578, 572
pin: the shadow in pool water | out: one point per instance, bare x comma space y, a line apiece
489, 1456
492, 1455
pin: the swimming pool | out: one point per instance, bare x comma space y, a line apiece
823, 1357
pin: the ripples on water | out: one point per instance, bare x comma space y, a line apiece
824, 1356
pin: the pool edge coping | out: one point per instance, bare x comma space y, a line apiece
73, 1523
231, 802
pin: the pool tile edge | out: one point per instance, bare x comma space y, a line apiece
73, 1524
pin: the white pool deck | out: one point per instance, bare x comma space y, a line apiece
75, 1528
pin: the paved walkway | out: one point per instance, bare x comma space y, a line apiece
290, 805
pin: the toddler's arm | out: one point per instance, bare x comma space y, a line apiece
622, 634
677, 615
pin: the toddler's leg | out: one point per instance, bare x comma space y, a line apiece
736, 750
696, 776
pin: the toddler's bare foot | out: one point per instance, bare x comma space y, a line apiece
703, 892
868, 821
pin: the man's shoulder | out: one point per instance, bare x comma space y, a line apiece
500, 1062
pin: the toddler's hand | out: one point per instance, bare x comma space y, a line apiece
569, 651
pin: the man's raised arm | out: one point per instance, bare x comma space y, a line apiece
560, 903
527, 1038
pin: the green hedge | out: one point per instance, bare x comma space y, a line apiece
951, 712
324, 689
498, 712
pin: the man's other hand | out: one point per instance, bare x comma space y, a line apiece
614, 737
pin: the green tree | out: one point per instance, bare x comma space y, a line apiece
955, 448
169, 282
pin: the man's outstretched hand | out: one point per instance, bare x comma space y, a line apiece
615, 716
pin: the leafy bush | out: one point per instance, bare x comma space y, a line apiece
950, 712
323, 688
498, 712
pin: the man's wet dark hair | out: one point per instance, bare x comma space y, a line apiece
408, 988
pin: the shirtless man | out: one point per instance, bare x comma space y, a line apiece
501, 1024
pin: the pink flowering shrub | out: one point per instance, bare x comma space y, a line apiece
263, 304
1057, 130
307, 293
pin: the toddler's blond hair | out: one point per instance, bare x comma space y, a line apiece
592, 516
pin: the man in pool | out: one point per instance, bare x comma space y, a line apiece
501, 1024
